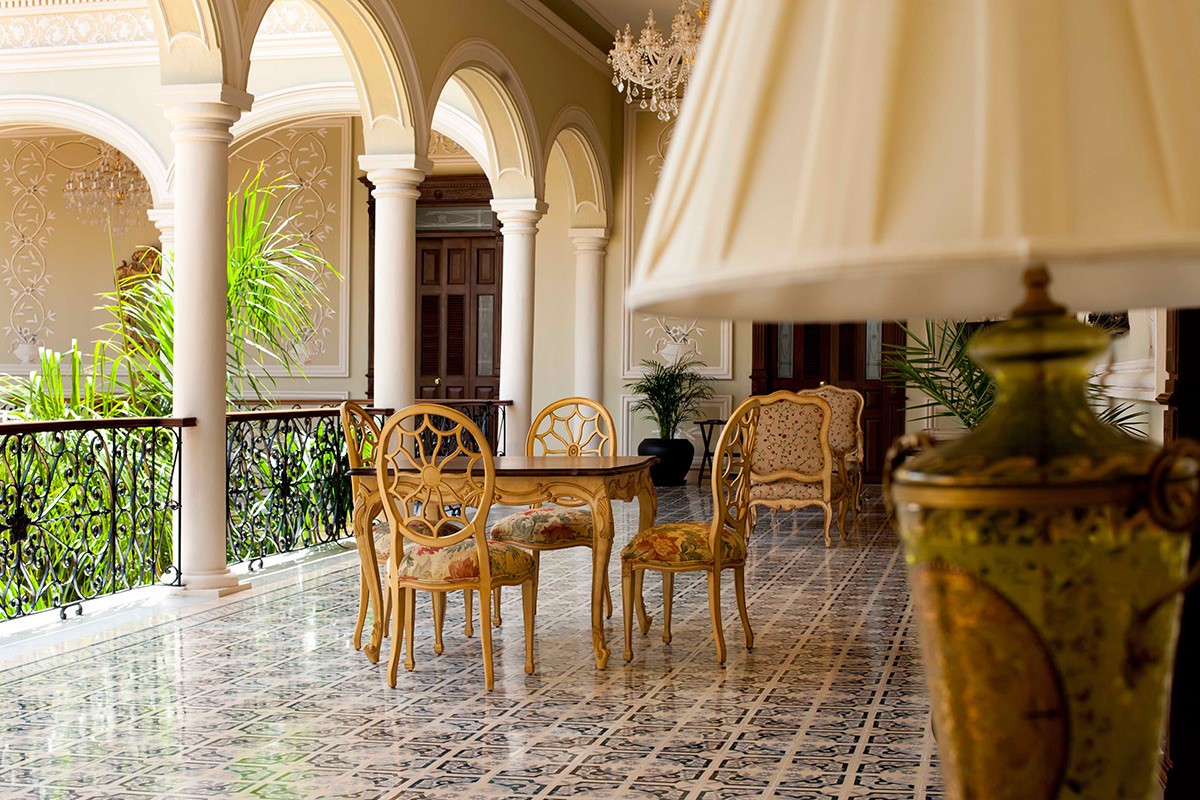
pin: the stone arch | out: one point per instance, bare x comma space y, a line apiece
575, 139
514, 165
341, 99
204, 41
27, 109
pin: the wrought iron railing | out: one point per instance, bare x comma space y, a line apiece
289, 480
489, 415
86, 509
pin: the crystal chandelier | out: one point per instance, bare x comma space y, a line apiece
655, 68
109, 191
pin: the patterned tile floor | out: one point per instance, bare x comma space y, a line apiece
264, 696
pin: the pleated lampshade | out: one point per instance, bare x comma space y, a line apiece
856, 159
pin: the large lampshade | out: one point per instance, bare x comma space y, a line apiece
854, 159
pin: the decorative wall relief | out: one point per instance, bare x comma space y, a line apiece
315, 159
52, 264
54, 28
667, 338
27, 174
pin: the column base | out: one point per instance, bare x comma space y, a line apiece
218, 584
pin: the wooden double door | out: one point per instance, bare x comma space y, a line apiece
458, 315
804, 356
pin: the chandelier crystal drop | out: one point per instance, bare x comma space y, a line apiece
654, 69
109, 191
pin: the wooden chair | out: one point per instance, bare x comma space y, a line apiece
437, 479
792, 464
362, 437
693, 546
571, 427
845, 437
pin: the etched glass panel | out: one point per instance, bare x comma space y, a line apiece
485, 327
874, 369
785, 355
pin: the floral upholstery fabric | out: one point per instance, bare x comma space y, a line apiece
788, 438
382, 534
794, 490
547, 526
680, 543
843, 422
460, 562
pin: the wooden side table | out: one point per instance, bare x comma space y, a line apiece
707, 426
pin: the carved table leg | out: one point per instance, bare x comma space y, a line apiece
363, 518
601, 548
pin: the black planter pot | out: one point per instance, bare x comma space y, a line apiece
674, 460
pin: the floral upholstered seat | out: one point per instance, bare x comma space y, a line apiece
792, 465
713, 546
548, 527
784, 489
460, 562
681, 542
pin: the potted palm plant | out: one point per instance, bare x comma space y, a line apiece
670, 395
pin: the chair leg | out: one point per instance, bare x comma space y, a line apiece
627, 605
529, 601
397, 635
828, 509
608, 606
485, 633
537, 570
496, 621
752, 521
668, 591
644, 619
468, 607
410, 616
843, 509
439, 617
739, 584
714, 611
387, 611
362, 608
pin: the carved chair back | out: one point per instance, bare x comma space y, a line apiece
731, 476
437, 479
573, 426
793, 440
362, 437
845, 426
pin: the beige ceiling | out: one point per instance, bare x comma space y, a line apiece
618, 13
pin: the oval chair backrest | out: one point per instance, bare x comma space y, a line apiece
362, 438
793, 436
573, 426
845, 424
731, 474
437, 477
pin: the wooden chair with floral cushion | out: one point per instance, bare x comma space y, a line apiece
693, 546
437, 479
362, 438
571, 427
792, 464
845, 437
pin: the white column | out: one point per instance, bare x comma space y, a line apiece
201, 116
396, 178
163, 217
591, 245
519, 221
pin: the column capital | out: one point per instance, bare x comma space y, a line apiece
589, 240
395, 175
202, 111
163, 217
519, 215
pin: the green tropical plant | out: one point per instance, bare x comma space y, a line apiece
274, 285
936, 362
670, 394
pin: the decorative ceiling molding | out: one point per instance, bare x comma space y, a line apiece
49, 35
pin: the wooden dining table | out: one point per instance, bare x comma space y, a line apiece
525, 480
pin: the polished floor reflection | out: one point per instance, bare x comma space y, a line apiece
262, 695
